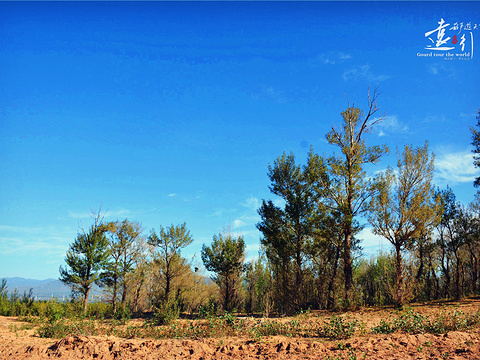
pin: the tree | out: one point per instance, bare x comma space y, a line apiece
446, 232
476, 144
170, 241
225, 258
123, 250
343, 182
404, 208
286, 231
86, 259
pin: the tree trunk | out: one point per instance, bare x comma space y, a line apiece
124, 291
457, 276
114, 297
347, 267
85, 300
446, 272
474, 268
227, 294
298, 275
421, 253
331, 283
399, 298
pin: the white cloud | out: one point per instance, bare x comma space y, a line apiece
245, 221
391, 125
440, 69
363, 73
332, 58
48, 240
455, 167
79, 215
237, 223
117, 213
172, 195
435, 119
252, 203
372, 243
272, 94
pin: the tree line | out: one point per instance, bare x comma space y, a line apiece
310, 246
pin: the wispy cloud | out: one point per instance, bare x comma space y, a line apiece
272, 94
172, 195
238, 223
391, 125
252, 203
441, 69
331, 58
245, 221
435, 119
363, 72
50, 241
455, 167
372, 243
79, 215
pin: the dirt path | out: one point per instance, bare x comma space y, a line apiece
24, 344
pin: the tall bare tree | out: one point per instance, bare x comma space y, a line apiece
169, 242
123, 250
404, 207
344, 183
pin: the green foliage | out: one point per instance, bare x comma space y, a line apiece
123, 251
404, 208
166, 313
412, 322
169, 243
225, 258
476, 144
207, 311
385, 327
87, 258
338, 328
374, 279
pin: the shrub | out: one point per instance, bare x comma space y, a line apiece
338, 328
384, 327
166, 313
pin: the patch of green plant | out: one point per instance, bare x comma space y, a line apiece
384, 327
338, 328
411, 322
167, 312
207, 311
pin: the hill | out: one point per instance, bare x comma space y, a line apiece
44, 289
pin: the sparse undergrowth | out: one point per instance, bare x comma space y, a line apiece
413, 322
333, 327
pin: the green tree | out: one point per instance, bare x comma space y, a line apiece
476, 144
86, 259
169, 242
286, 231
123, 250
226, 258
259, 287
344, 184
404, 207
446, 233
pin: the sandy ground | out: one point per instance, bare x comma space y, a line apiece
25, 344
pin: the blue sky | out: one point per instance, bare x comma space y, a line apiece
171, 112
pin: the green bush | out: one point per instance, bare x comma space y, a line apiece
338, 328
166, 313
207, 311
384, 327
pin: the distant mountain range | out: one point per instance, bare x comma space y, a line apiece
43, 289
